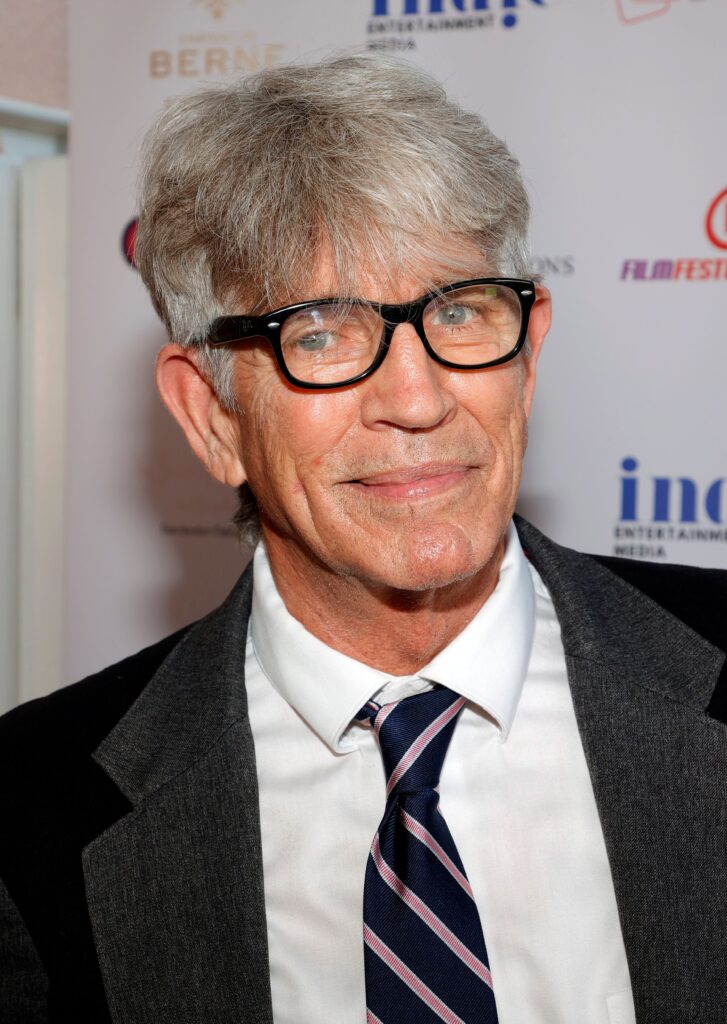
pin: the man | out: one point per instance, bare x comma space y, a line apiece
241, 823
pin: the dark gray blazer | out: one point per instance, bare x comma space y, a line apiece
131, 885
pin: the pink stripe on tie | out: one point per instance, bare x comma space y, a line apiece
418, 830
428, 916
371, 1018
383, 715
409, 978
422, 741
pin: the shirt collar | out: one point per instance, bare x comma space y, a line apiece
486, 662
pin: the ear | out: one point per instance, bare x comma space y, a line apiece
538, 325
213, 433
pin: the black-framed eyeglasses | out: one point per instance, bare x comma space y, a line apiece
329, 343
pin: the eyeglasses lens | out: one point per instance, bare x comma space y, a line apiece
473, 325
331, 342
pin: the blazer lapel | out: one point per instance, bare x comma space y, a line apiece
175, 888
641, 681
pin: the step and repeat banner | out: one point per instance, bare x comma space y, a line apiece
615, 109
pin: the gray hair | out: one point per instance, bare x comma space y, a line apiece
242, 185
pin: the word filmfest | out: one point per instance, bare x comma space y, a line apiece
674, 270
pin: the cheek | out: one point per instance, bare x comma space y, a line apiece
287, 434
495, 403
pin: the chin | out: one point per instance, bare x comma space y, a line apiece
432, 559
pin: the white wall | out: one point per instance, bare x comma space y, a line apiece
42, 391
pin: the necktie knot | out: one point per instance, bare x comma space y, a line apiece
414, 735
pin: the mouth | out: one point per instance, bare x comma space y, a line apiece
411, 482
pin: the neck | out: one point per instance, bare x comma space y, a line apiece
395, 631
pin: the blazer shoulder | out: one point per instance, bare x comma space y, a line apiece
695, 595
75, 719
54, 800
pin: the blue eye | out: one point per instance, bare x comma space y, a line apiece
314, 342
453, 315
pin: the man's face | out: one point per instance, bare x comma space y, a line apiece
406, 480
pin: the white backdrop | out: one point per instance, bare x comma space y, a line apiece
615, 109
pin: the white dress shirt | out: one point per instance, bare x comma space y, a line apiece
515, 792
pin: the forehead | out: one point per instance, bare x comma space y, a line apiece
388, 278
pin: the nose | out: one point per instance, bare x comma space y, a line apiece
409, 390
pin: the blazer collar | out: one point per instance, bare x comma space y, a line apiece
194, 697
607, 621
175, 888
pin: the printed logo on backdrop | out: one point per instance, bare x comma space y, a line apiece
659, 514
396, 24
631, 11
553, 266
217, 8
128, 242
716, 220
202, 53
678, 268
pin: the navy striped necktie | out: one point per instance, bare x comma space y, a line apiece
424, 950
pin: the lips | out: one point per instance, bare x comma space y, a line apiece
413, 481
407, 474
